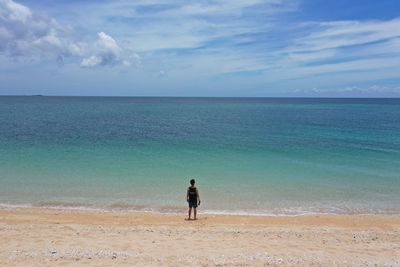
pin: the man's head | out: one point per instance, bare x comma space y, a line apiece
192, 182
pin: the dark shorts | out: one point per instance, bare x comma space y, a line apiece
192, 204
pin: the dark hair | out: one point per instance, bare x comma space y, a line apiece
192, 182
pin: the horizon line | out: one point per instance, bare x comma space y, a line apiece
178, 96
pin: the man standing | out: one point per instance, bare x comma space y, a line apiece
193, 198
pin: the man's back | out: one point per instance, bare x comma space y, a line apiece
192, 190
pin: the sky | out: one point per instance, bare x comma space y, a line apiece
278, 48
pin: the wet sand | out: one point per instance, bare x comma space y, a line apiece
55, 237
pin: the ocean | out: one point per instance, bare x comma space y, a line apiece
280, 156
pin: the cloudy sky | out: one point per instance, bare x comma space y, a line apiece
200, 48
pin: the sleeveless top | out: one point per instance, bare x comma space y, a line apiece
192, 194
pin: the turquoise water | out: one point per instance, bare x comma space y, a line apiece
248, 155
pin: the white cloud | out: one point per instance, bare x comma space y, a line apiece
335, 35
91, 61
355, 90
395, 89
106, 51
224, 7
14, 11
345, 50
25, 34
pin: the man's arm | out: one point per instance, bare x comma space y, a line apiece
187, 195
198, 196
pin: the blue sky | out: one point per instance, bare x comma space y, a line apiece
200, 48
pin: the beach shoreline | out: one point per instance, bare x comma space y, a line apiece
40, 236
181, 209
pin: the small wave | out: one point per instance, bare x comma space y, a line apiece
61, 204
14, 206
125, 207
172, 209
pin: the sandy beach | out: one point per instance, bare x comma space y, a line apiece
52, 237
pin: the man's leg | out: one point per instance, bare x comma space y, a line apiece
189, 213
195, 212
